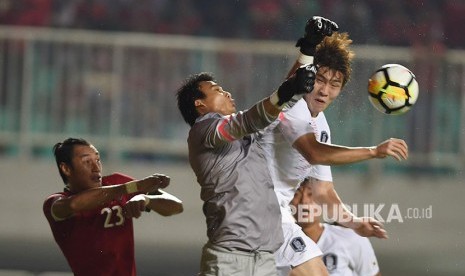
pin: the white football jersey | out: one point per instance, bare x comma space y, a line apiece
287, 166
345, 253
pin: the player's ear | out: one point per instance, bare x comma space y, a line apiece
198, 103
200, 106
65, 169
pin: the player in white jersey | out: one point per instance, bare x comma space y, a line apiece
288, 167
344, 252
300, 137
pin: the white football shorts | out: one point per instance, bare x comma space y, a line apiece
296, 249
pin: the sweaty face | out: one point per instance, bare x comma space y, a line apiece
216, 99
86, 170
328, 85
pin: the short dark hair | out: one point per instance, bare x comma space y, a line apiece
334, 52
63, 152
188, 93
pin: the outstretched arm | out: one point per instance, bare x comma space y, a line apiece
327, 154
259, 116
161, 202
90, 199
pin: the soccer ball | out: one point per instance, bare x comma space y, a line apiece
393, 89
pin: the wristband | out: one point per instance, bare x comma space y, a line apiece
274, 99
304, 59
131, 187
372, 151
293, 101
147, 200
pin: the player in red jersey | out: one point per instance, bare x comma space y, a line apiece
91, 219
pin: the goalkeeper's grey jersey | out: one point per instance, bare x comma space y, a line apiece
240, 205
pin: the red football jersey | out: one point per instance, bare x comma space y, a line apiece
97, 242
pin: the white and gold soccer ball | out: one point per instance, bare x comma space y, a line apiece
393, 89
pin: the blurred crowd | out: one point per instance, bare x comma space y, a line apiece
397, 23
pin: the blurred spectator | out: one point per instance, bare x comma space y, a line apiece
265, 18
357, 20
428, 51
452, 13
64, 13
25, 12
369, 21
394, 24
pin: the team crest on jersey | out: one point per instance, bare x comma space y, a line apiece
298, 244
330, 261
324, 137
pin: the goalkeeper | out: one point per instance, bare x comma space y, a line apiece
242, 212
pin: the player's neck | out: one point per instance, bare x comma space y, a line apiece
314, 231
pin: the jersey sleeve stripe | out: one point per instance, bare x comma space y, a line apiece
223, 132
